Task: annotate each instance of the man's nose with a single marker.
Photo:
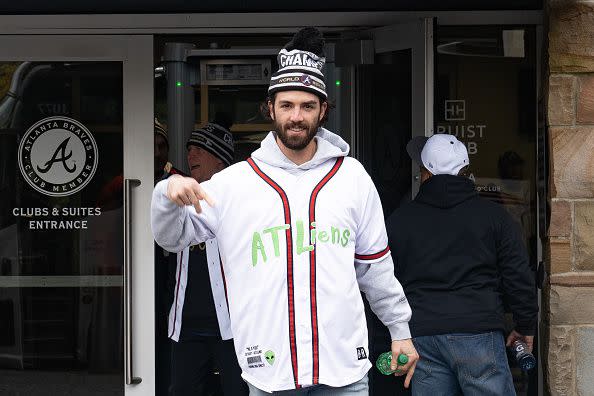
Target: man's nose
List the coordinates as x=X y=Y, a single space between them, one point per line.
x=296 y=114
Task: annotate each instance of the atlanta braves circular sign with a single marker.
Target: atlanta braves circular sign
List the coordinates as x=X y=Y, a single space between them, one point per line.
x=58 y=156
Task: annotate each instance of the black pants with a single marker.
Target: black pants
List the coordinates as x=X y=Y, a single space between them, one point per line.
x=193 y=363
x=379 y=341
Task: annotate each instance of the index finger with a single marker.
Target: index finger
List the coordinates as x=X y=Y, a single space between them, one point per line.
x=409 y=375
x=198 y=207
x=202 y=194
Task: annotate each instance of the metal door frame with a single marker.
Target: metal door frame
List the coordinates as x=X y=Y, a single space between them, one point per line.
x=415 y=35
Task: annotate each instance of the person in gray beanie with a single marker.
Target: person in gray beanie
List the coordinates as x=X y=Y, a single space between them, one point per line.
x=198 y=322
x=210 y=149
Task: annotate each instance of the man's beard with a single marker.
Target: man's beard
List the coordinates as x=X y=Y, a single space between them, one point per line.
x=294 y=142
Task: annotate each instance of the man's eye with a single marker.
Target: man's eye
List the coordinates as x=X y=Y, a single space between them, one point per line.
x=285 y=106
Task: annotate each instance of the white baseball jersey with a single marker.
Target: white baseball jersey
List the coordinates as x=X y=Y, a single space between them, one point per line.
x=217 y=284
x=290 y=245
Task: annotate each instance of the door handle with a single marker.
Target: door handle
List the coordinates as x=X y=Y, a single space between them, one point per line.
x=130 y=379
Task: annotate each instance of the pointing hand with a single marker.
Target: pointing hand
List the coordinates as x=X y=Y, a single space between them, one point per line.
x=187 y=191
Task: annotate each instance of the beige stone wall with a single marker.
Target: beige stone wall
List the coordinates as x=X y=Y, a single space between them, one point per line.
x=568 y=311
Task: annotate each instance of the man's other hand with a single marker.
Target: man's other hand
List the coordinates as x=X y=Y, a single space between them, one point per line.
x=407 y=348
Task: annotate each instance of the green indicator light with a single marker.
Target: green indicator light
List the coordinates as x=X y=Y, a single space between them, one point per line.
x=338 y=83
x=178 y=84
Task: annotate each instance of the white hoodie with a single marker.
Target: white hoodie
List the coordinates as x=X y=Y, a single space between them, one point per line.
x=298 y=243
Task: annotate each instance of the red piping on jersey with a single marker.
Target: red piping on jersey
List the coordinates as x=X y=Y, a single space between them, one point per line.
x=181 y=257
x=373 y=256
x=312 y=273
x=224 y=281
x=290 y=287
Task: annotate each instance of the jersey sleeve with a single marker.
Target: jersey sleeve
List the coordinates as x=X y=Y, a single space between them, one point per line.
x=385 y=295
x=371 y=244
x=174 y=227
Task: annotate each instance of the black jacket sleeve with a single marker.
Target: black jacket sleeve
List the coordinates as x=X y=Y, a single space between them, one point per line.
x=517 y=279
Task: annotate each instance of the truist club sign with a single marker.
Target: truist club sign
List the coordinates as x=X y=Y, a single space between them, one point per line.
x=455 y=117
x=58 y=156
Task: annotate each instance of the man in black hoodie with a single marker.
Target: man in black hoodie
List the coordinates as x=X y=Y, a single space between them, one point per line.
x=458 y=258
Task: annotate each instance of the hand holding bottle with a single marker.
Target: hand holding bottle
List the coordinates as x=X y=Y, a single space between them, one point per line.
x=521 y=347
x=406 y=348
x=526 y=360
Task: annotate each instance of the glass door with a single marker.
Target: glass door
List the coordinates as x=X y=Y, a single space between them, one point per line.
x=394 y=102
x=72 y=214
x=486 y=95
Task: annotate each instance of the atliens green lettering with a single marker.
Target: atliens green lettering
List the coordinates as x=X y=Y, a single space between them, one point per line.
x=323 y=236
x=273 y=231
x=334 y=236
x=257 y=246
x=345 y=237
x=300 y=237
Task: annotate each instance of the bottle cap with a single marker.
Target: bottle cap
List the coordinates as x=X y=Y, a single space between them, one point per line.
x=528 y=362
x=402 y=359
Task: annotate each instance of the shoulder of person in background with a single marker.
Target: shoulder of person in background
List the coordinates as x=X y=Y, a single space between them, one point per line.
x=169 y=170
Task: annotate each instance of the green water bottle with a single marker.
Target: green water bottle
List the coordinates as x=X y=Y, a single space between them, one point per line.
x=384 y=360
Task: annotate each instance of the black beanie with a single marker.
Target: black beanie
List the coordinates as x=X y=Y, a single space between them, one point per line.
x=300 y=65
x=216 y=140
x=160 y=129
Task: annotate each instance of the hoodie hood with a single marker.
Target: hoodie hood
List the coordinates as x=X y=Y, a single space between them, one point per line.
x=446 y=191
x=329 y=145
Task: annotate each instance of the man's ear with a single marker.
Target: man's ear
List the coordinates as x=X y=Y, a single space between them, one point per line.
x=323 y=108
x=271 y=109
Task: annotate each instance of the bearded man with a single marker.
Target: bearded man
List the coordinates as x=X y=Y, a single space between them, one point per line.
x=301 y=233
